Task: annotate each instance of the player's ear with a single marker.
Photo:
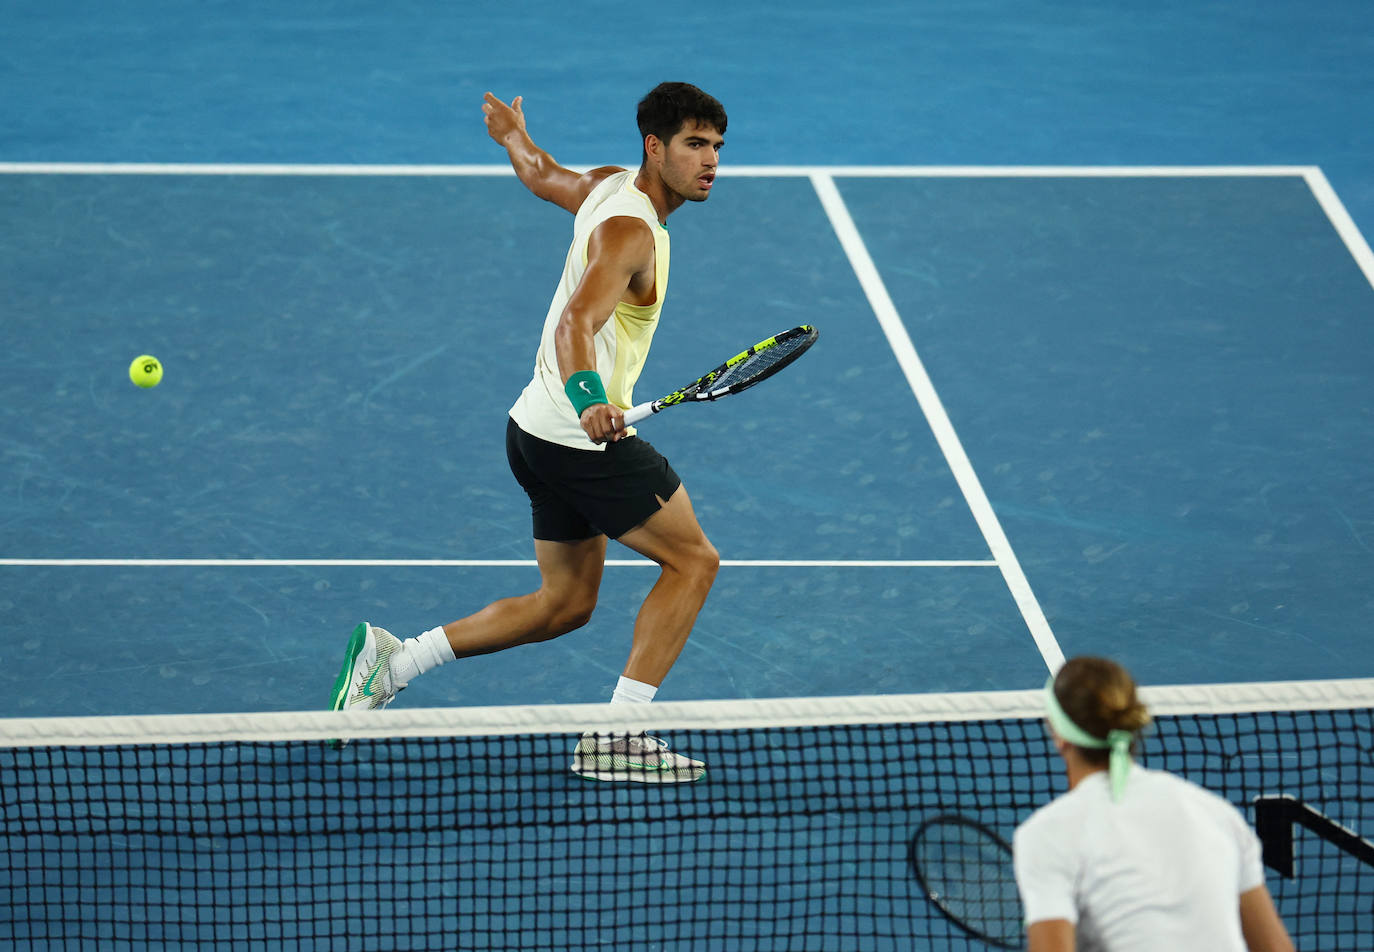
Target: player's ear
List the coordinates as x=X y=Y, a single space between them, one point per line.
x=653 y=148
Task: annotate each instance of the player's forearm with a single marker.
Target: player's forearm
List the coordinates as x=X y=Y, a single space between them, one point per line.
x=572 y=342
x=601 y=420
x=534 y=167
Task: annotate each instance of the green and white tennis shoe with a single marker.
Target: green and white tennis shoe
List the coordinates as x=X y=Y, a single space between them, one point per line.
x=365 y=682
x=637 y=758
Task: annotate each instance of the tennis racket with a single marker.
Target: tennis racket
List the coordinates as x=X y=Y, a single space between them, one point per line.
x=965 y=870
x=737 y=374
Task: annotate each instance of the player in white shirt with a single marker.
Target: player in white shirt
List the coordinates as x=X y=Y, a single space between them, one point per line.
x=1130 y=859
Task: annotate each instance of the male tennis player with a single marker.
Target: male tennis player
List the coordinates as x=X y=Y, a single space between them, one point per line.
x=1134 y=859
x=588 y=476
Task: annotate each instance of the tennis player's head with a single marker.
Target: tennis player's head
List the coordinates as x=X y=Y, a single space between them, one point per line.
x=682 y=129
x=1098 y=696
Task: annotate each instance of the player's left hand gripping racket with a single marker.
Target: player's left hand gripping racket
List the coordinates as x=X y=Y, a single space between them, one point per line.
x=966 y=870
x=737 y=374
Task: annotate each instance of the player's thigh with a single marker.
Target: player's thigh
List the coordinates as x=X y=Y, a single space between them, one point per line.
x=570 y=572
x=673 y=536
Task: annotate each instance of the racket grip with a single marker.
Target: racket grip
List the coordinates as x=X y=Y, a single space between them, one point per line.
x=639 y=412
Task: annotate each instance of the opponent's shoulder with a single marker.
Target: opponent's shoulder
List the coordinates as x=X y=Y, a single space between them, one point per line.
x=1185 y=791
x=1063 y=810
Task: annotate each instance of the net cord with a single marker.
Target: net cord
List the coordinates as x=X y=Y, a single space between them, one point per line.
x=685 y=715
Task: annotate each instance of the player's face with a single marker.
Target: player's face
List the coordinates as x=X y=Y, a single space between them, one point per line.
x=690 y=160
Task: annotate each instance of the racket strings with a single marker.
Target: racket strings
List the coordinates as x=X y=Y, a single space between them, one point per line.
x=969 y=875
x=758 y=364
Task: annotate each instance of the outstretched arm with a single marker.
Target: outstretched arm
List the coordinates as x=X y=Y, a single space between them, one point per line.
x=536 y=168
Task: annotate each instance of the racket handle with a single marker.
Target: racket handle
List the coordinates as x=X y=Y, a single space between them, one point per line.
x=640 y=412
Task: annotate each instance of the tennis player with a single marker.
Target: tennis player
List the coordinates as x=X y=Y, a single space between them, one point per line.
x=1134 y=859
x=588 y=476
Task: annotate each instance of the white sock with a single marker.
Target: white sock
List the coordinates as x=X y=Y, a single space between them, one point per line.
x=632 y=692
x=419 y=654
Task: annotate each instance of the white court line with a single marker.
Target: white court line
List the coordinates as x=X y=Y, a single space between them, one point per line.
x=1344 y=224
x=1316 y=179
x=755 y=171
x=948 y=440
x=487 y=563
x=233 y=168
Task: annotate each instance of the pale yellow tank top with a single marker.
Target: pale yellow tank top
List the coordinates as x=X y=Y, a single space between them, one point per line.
x=622 y=344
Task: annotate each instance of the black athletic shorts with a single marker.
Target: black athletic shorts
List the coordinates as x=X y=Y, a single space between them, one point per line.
x=576 y=494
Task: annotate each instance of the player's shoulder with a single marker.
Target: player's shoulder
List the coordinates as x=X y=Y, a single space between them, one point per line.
x=1072 y=811
x=1062 y=813
x=1187 y=790
x=1163 y=780
x=593 y=180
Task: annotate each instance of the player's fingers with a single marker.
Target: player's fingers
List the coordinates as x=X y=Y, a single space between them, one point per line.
x=592 y=425
x=617 y=422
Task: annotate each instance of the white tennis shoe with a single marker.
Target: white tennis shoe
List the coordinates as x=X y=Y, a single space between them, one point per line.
x=365 y=681
x=638 y=758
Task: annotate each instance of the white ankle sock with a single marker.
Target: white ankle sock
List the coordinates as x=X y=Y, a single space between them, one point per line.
x=420 y=654
x=633 y=692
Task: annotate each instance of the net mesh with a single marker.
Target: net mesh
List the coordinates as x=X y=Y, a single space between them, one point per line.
x=154 y=832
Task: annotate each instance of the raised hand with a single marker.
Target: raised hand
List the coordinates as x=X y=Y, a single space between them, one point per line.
x=502 y=119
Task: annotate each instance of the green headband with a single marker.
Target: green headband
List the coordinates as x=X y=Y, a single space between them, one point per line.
x=1118 y=741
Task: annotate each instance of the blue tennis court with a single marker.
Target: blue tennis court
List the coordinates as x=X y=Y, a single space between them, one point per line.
x=1146 y=441
x=1097 y=320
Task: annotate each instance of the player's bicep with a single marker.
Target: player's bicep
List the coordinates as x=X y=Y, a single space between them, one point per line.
x=617 y=250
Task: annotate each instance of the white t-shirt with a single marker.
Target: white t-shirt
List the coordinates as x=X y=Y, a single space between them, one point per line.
x=1162 y=869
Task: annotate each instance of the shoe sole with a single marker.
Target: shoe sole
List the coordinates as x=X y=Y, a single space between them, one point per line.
x=356 y=642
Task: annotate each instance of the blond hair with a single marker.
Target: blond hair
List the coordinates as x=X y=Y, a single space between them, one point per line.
x=1099 y=696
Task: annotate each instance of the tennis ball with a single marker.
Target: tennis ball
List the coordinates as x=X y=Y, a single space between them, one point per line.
x=146 y=371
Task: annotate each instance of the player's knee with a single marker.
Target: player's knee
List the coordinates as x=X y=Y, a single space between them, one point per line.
x=570 y=616
x=712 y=560
x=704 y=562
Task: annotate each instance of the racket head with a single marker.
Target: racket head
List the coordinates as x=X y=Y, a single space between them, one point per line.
x=965 y=869
x=754 y=365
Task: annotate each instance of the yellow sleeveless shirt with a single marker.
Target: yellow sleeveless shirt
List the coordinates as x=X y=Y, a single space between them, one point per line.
x=622 y=344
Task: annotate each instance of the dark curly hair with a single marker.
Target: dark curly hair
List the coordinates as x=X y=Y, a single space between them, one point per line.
x=669 y=106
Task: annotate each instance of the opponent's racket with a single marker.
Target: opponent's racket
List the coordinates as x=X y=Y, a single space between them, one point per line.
x=740 y=372
x=966 y=870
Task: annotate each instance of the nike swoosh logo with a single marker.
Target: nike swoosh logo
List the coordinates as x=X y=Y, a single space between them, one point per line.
x=637 y=765
x=367 y=685
x=585 y=389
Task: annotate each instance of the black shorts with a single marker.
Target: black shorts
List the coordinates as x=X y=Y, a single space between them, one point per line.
x=576 y=494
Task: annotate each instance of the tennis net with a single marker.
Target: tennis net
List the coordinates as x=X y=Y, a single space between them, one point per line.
x=462 y=828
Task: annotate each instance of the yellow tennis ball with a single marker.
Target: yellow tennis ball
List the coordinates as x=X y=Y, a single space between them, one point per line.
x=146 y=371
